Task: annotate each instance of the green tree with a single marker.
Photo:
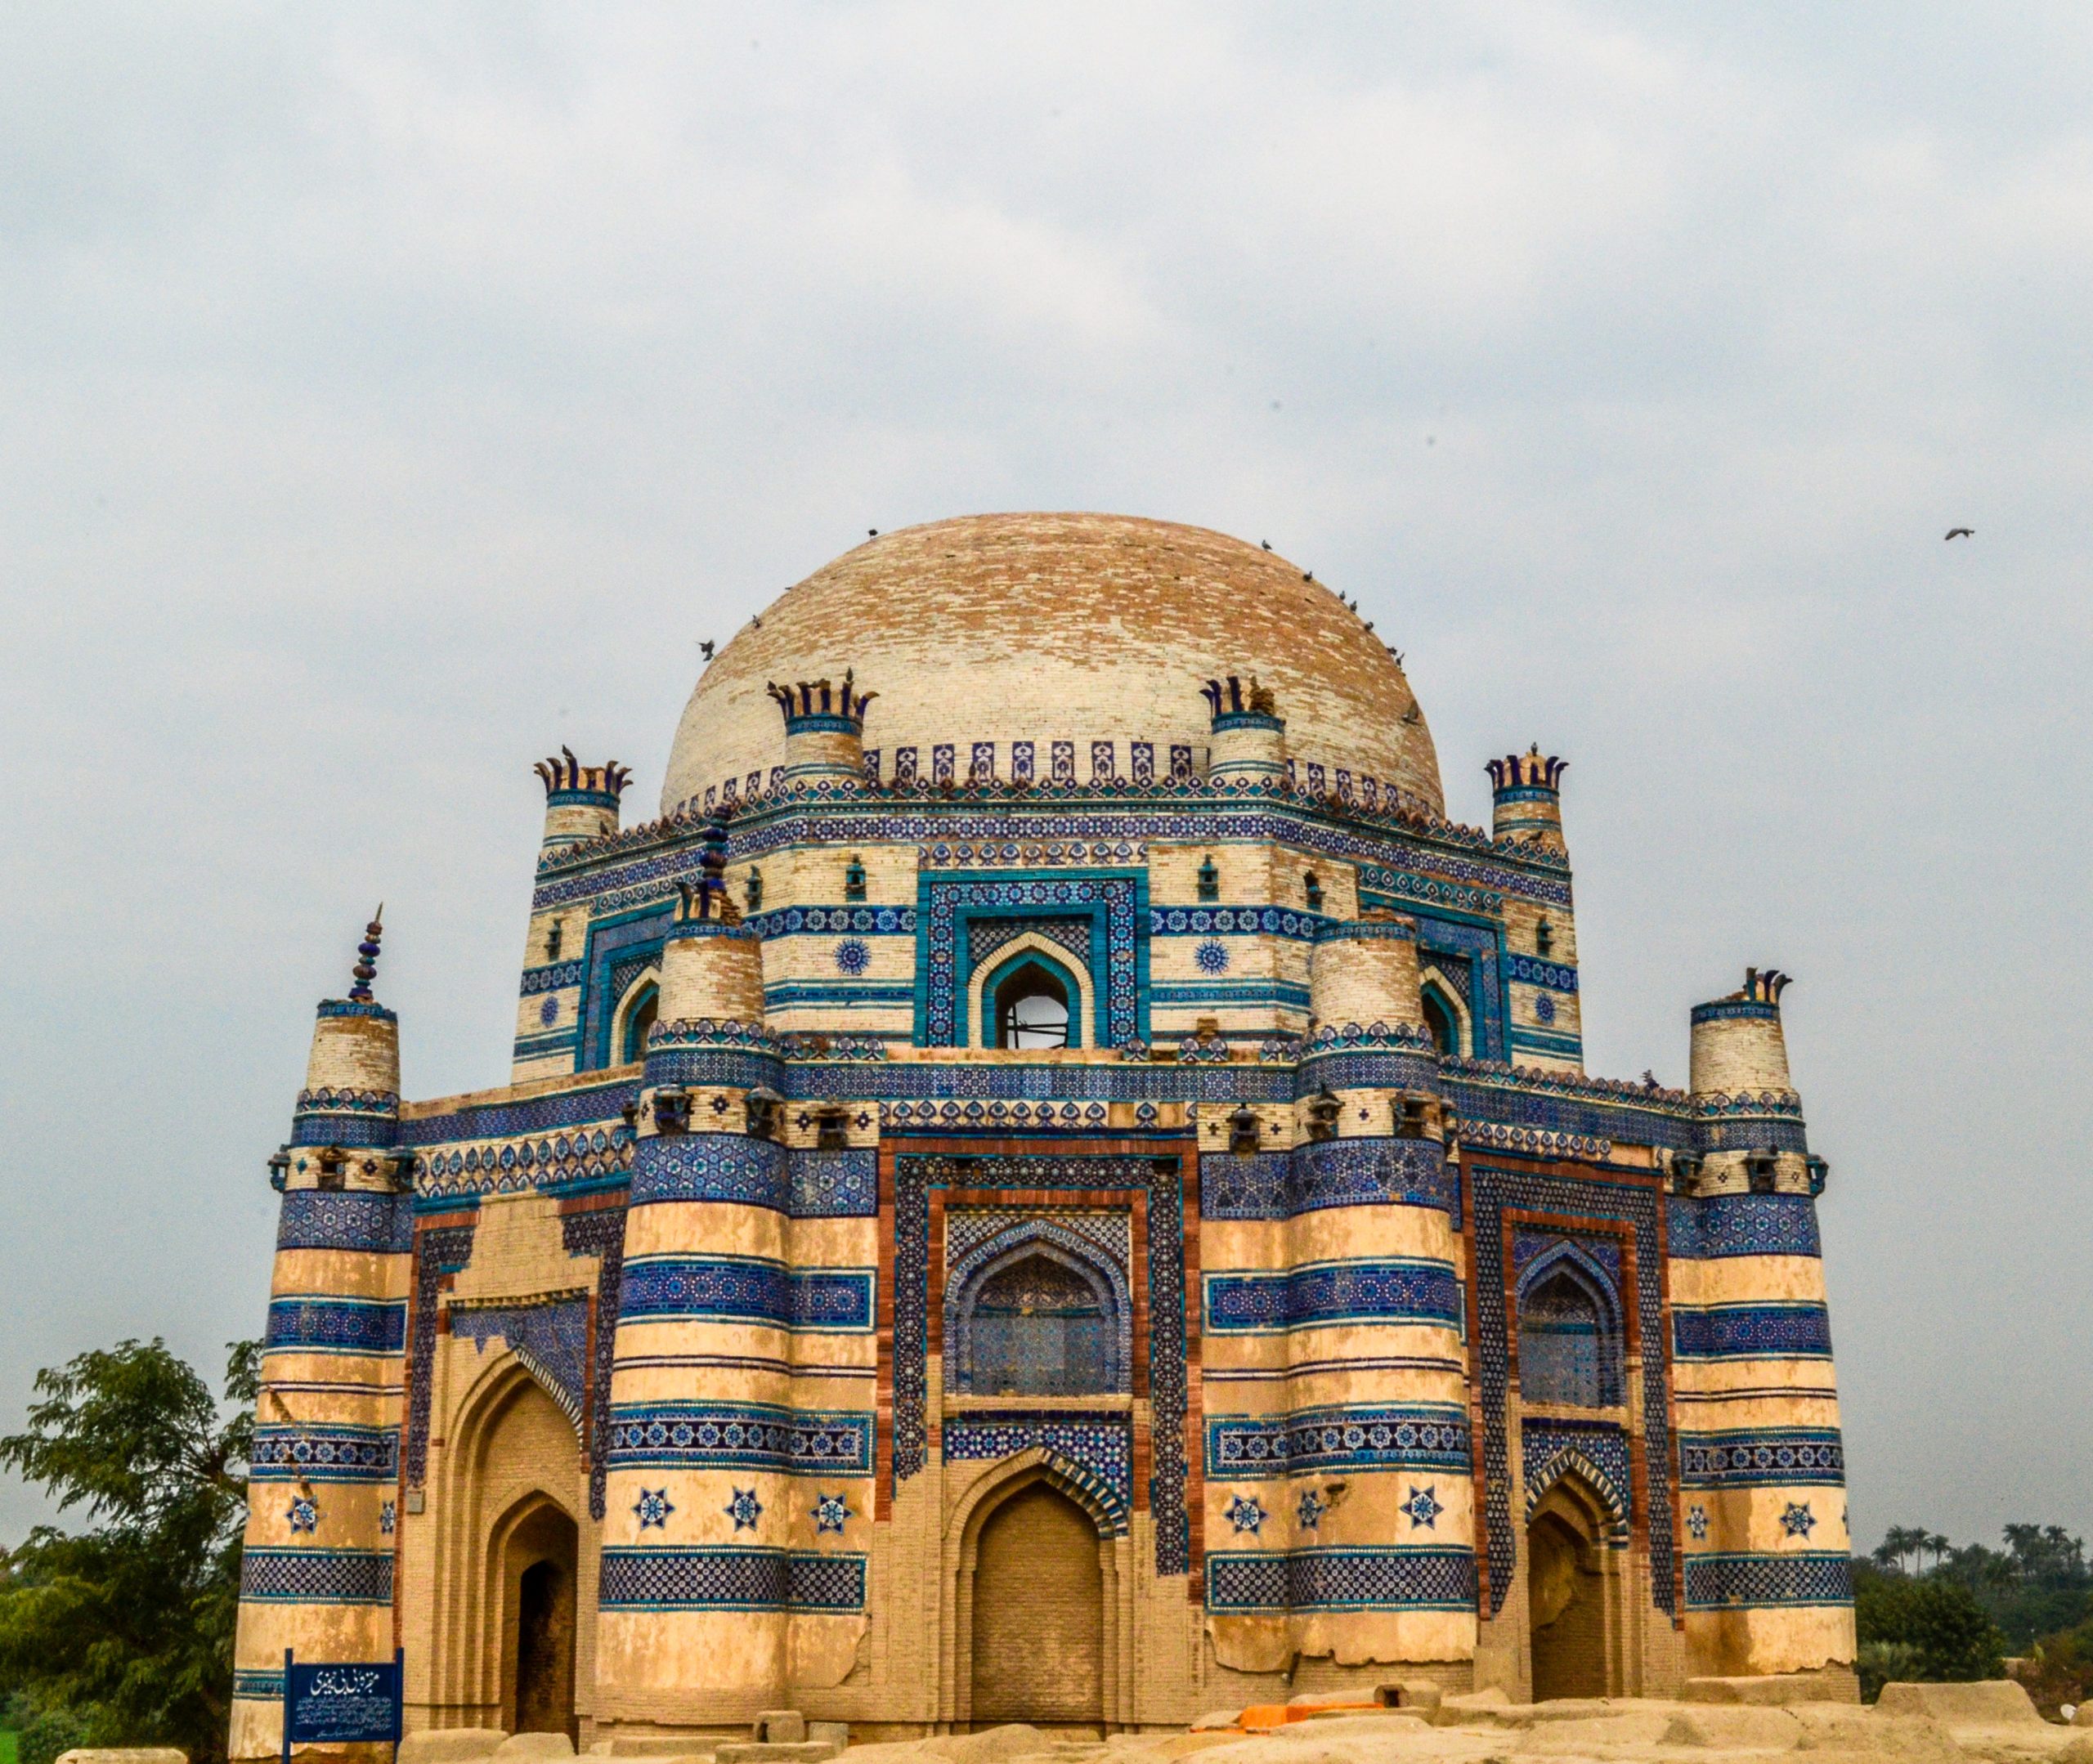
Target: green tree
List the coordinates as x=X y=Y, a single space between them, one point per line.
x=121 y=1633
x=1936 y=1627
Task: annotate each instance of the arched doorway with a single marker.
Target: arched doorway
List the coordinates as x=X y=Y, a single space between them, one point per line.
x=538 y=1576
x=1037 y=1614
x=1567 y=1584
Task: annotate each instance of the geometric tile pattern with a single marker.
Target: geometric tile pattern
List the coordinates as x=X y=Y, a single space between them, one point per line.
x=331 y=1452
x=1754 y=1580
x=1595 y=1451
x=315 y=1325
x=747 y=1289
x=1353 y=1172
x=1762 y=1458
x=277 y=1575
x=729 y=1577
x=438 y=1251
x=1101 y=1445
x=1370 y=1578
x=740 y=1436
x=1753 y=1332
x=1358 y=1436
x=1159 y=1178
x=1743 y=1224
x=835 y=1184
x=709 y=1166
x=599 y=1232
x=550 y=1338
x=312 y=1219
x=1629 y=1203
x=1034 y=1303
x=1113 y=903
x=1317 y=1294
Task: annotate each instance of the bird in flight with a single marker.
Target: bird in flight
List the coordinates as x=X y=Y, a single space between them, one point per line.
x=705 y=650
x=1962 y=532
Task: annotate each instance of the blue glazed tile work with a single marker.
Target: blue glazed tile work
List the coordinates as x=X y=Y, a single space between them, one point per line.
x=320 y=1324
x=1160 y=1176
x=1635 y=1205
x=740 y=1436
x=834 y=1184
x=711 y=1167
x=271 y=1574
x=439 y=1250
x=747 y=1289
x=333 y=1453
x=1318 y=1294
x=730 y=1578
x=1595 y=1451
x=1742 y=1225
x=1762 y=1458
x=345 y=1219
x=599 y=1232
x=550 y=1337
x=1352 y=1436
x=1115 y=903
x=1358 y=1579
x=1747 y=1581
x=1752 y=1332
x=1099 y=1446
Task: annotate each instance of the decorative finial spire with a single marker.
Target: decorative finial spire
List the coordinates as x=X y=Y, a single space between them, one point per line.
x=366 y=968
x=822 y=704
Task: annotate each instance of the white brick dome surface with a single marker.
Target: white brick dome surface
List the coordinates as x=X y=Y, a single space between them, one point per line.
x=1045 y=628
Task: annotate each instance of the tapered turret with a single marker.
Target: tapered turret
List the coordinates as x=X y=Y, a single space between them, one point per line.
x=317 y=1572
x=1248 y=734
x=824 y=731
x=581 y=802
x=1767 y=1582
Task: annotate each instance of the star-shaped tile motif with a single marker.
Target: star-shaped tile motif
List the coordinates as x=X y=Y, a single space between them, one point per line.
x=1311 y=1511
x=653 y=1508
x=1423 y=1506
x=830 y=1512
x=1797 y=1521
x=744 y=1510
x=388 y=1518
x=304 y=1514
x=1245 y=1513
x=1696 y=1522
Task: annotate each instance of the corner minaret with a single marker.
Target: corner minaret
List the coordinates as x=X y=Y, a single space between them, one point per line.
x=824 y=730
x=1762 y=1484
x=1250 y=735
x=1527 y=798
x=1547 y=1027
x=696 y=1585
x=581 y=802
x=318 y=1569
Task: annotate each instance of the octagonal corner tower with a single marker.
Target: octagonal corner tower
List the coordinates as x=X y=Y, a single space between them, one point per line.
x=1079 y=629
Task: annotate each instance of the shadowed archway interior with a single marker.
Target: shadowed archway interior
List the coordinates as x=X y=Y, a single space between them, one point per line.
x=1038 y=1614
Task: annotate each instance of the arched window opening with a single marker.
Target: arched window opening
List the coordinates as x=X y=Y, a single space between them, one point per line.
x=638 y=1020
x=1209 y=881
x=1038 y=1328
x=1032 y=1009
x=1568 y=1353
x=1311 y=886
x=853 y=881
x=756 y=889
x=1440 y=1025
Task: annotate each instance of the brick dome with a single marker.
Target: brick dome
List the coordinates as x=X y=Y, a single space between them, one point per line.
x=1044 y=628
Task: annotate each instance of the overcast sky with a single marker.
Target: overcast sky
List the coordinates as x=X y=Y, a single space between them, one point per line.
x=385 y=401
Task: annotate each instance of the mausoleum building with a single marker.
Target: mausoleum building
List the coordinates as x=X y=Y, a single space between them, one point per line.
x=1051 y=1183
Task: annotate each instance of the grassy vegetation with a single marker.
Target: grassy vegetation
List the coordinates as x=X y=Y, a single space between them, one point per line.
x=6 y=1746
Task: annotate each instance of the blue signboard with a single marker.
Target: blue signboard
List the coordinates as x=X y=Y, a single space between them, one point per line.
x=342 y=1702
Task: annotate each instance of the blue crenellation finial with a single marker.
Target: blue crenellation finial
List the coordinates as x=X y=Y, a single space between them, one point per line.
x=366 y=968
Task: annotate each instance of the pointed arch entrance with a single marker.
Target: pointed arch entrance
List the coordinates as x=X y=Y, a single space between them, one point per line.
x=1037 y=1634
x=1575 y=1605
